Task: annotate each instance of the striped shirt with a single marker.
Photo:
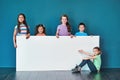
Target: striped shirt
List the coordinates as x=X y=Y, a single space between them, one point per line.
x=23 y=30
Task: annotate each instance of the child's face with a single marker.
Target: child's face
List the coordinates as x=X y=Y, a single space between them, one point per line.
x=81 y=28
x=96 y=51
x=21 y=18
x=40 y=30
x=64 y=20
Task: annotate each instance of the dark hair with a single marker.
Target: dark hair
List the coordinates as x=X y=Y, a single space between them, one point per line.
x=24 y=22
x=67 y=24
x=97 y=49
x=82 y=24
x=40 y=25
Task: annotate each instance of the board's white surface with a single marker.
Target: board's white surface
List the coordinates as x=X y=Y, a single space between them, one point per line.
x=50 y=53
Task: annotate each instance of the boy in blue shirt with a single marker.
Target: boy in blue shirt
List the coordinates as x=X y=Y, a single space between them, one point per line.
x=81 y=30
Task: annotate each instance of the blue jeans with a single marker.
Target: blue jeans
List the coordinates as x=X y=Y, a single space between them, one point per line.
x=90 y=65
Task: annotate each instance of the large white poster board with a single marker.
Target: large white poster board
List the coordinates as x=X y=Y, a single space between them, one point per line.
x=51 y=53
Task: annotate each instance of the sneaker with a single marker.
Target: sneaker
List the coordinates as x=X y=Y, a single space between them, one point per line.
x=76 y=69
x=79 y=68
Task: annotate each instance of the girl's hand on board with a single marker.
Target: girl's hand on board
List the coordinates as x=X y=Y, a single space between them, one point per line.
x=15 y=45
x=27 y=36
x=72 y=36
x=81 y=51
x=85 y=58
x=57 y=36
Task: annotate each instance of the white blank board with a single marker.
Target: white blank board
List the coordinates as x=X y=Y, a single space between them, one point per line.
x=43 y=53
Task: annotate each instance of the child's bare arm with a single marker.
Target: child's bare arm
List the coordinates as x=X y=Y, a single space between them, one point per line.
x=14 y=38
x=84 y=52
x=92 y=57
x=57 y=33
x=27 y=35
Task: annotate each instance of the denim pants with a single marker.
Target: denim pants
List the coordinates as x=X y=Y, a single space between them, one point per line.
x=90 y=65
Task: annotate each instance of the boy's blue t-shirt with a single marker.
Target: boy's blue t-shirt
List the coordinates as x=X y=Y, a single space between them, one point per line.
x=81 y=34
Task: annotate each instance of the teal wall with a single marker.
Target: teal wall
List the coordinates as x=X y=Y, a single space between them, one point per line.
x=102 y=17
